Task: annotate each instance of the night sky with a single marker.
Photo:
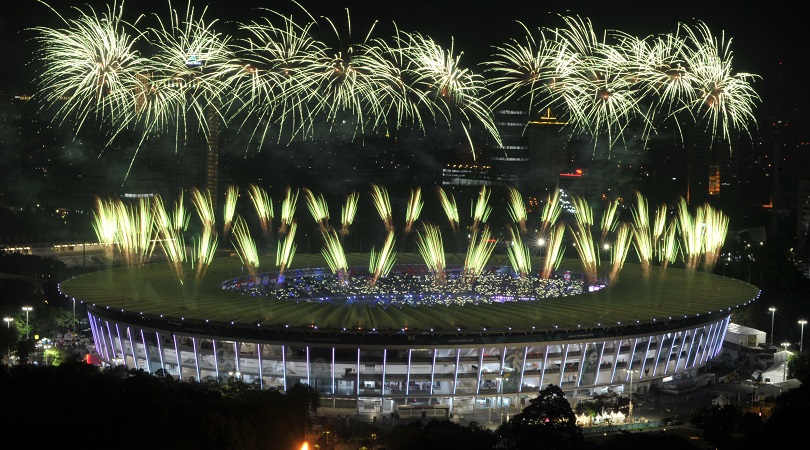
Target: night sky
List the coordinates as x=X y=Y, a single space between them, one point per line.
x=767 y=37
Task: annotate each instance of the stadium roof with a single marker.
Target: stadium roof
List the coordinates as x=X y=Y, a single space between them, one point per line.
x=665 y=295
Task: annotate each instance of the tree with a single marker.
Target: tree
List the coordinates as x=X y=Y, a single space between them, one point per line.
x=548 y=422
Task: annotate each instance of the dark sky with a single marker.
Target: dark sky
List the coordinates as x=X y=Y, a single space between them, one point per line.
x=766 y=36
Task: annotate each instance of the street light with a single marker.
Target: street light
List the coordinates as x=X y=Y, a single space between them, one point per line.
x=27 y=309
x=630 y=408
x=801 y=339
x=8 y=321
x=74 y=318
x=784 y=365
x=773 y=314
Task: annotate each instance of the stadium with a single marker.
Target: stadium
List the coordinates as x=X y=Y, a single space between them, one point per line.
x=401 y=354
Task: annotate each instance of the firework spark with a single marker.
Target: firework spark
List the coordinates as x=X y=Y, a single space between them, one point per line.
x=620 y=249
x=480 y=208
x=556 y=250
x=335 y=256
x=519 y=254
x=478 y=253
x=318 y=208
x=245 y=245
x=380 y=197
x=450 y=209
x=380 y=263
x=431 y=248
x=414 y=209
x=517 y=209
x=263 y=206
x=171 y=239
x=288 y=209
x=286 y=249
x=348 y=212
x=229 y=209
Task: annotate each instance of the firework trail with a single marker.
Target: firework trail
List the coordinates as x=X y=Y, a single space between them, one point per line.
x=318 y=209
x=480 y=208
x=641 y=233
x=229 y=209
x=205 y=210
x=380 y=263
x=556 y=250
x=348 y=212
x=203 y=250
x=448 y=203
x=171 y=239
x=517 y=209
x=380 y=197
x=660 y=223
x=431 y=248
x=691 y=238
x=610 y=219
x=414 y=209
x=669 y=247
x=137 y=233
x=288 y=209
x=551 y=212
x=335 y=256
x=715 y=230
x=286 y=249
x=620 y=249
x=478 y=253
x=245 y=245
x=583 y=239
x=263 y=206
x=180 y=217
x=105 y=224
x=519 y=254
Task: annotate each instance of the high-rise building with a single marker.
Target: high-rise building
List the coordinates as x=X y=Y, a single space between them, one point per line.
x=548 y=151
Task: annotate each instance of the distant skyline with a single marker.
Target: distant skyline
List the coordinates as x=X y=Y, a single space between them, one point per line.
x=763 y=40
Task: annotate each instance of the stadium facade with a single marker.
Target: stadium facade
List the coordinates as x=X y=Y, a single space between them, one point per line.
x=457 y=366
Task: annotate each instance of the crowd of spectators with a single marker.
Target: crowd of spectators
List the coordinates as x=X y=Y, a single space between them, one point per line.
x=411 y=286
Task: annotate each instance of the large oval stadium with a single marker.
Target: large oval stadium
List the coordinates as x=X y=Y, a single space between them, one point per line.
x=394 y=349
